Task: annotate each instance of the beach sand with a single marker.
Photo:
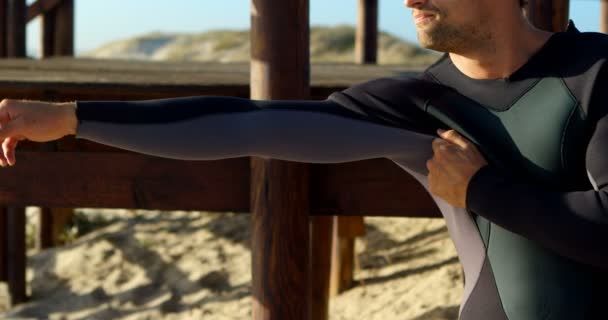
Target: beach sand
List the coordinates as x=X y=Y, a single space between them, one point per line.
x=196 y=265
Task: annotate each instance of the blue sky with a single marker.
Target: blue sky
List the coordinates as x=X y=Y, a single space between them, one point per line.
x=101 y=21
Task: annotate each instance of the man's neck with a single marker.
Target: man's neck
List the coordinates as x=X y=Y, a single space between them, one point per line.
x=507 y=51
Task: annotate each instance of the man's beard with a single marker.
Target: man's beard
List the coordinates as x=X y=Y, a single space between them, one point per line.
x=454 y=39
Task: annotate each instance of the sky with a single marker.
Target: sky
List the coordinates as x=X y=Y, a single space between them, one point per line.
x=102 y=21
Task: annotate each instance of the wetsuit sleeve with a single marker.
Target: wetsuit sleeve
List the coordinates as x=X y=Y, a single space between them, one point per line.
x=573 y=224
x=208 y=128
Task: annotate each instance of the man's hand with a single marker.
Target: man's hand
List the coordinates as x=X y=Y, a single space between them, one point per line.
x=33 y=120
x=455 y=161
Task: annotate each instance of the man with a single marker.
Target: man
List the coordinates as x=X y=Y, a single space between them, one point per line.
x=529 y=228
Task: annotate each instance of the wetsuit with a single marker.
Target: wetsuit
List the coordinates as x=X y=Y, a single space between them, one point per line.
x=532 y=238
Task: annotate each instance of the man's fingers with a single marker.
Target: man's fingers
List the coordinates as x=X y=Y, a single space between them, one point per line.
x=3 y=156
x=456 y=138
x=8 y=150
x=443 y=149
x=439 y=144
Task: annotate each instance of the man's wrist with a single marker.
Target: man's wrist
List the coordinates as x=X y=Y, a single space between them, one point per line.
x=71 y=121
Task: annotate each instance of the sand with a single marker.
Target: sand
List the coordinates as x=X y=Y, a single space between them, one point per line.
x=196 y=265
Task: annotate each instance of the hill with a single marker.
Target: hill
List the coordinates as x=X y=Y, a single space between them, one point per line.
x=327 y=44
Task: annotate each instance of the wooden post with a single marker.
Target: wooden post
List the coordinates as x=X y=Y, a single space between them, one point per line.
x=549 y=15
x=13 y=237
x=280 y=69
x=604 y=16
x=52 y=220
x=52 y=224
x=321 y=248
x=58 y=30
x=15 y=253
x=3 y=23
x=45 y=237
x=3 y=211
x=15 y=28
x=3 y=245
x=346 y=229
x=366 y=40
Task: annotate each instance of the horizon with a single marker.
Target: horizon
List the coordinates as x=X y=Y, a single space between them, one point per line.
x=188 y=16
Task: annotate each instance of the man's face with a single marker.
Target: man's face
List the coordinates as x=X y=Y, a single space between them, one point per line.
x=450 y=25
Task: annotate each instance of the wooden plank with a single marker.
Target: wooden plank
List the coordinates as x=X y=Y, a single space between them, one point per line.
x=369 y=188
x=125 y=180
x=551 y=15
x=39 y=7
x=279 y=190
x=86 y=91
x=321 y=247
x=15 y=30
x=366 y=39
x=117 y=72
x=85 y=79
x=52 y=220
x=16 y=258
x=3 y=24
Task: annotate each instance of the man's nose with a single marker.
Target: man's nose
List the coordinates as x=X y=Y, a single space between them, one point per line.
x=414 y=3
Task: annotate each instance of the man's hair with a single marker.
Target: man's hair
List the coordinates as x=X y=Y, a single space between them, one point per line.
x=523 y=3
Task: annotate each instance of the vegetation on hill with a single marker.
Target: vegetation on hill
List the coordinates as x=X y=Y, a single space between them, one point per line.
x=327 y=44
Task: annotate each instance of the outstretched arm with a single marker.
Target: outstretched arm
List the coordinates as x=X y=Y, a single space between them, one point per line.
x=350 y=125
x=206 y=128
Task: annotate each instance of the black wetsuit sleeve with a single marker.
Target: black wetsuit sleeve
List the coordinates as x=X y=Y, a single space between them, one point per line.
x=208 y=128
x=573 y=224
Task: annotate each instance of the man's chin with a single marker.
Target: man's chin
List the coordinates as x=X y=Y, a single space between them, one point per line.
x=431 y=45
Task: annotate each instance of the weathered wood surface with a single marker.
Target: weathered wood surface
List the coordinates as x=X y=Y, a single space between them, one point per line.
x=3 y=27
x=13 y=232
x=342 y=264
x=321 y=250
x=58 y=29
x=549 y=15
x=65 y=78
x=280 y=203
x=15 y=28
x=39 y=7
x=14 y=243
x=125 y=180
x=366 y=39
x=52 y=224
x=346 y=230
x=370 y=188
